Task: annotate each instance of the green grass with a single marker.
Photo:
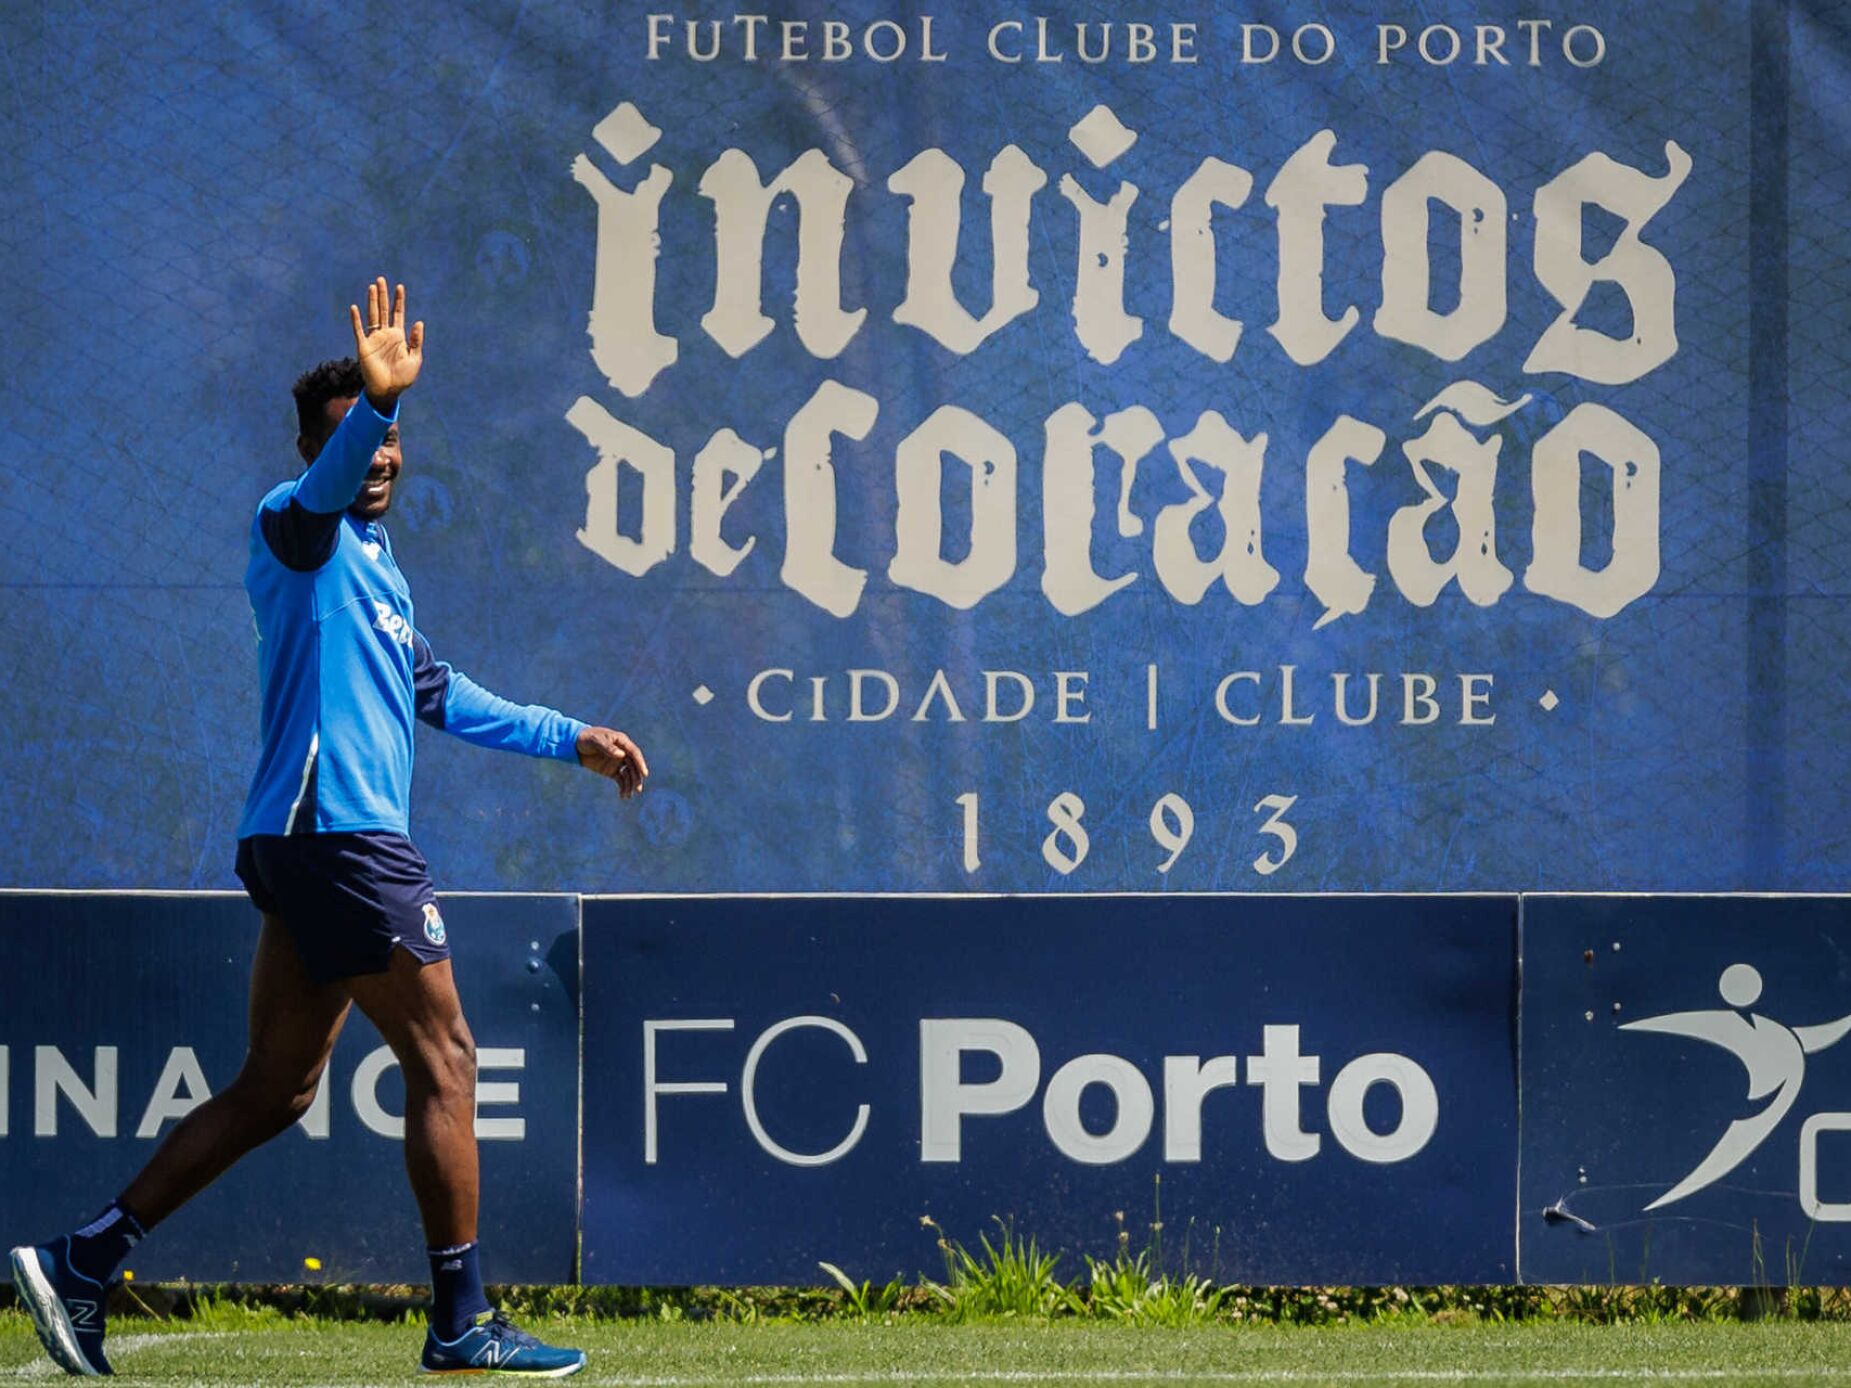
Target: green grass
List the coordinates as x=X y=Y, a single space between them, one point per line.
x=235 y=1346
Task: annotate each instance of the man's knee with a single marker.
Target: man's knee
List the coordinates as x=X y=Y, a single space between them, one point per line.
x=445 y=1065
x=271 y=1098
x=462 y=1047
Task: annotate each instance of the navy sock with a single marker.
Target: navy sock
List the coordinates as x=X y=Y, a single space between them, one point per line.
x=99 y=1247
x=457 y=1297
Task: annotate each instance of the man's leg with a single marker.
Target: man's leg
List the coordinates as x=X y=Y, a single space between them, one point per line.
x=415 y=1006
x=417 y=1011
x=293 y=1025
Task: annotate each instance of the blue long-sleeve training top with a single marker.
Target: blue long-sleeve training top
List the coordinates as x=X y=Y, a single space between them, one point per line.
x=342 y=668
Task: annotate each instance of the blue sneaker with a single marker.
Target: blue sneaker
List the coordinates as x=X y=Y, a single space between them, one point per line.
x=66 y=1307
x=496 y=1346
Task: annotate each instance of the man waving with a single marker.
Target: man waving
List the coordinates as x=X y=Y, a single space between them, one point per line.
x=349 y=912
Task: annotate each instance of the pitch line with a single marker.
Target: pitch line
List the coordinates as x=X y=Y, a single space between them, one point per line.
x=42 y=1367
x=1383 y=1375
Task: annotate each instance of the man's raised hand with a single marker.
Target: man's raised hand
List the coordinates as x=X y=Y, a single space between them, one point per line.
x=389 y=360
x=611 y=753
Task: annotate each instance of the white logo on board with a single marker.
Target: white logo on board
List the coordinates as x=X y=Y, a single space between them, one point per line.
x=949 y=1103
x=1774 y=1055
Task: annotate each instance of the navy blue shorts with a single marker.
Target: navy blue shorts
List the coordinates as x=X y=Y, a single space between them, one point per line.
x=349 y=900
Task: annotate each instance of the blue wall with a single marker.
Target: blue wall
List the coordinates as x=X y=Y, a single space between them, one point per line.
x=195 y=192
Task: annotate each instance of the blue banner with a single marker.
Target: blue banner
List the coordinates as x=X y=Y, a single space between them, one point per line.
x=1294 y=1089
x=1284 y=448
x=1686 y=1096
x=129 y=1010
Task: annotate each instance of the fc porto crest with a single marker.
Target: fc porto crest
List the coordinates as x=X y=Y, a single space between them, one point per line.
x=433 y=924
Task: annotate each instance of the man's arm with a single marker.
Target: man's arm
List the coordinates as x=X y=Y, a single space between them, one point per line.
x=304 y=531
x=334 y=478
x=450 y=700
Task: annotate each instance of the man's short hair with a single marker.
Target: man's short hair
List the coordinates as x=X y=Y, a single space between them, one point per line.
x=314 y=388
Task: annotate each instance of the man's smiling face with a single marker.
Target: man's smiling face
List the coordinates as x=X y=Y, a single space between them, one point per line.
x=375 y=497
